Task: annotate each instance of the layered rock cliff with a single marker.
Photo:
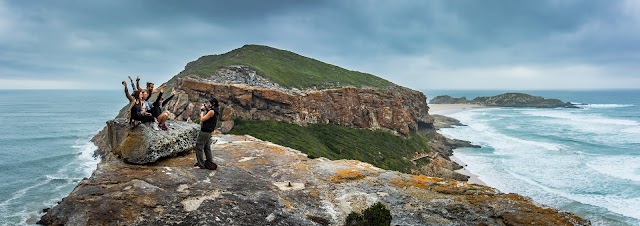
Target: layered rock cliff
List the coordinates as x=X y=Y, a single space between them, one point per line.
x=260 y=183
x=398 y=109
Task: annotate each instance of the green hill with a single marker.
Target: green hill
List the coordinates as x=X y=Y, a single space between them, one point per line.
x=285 y=68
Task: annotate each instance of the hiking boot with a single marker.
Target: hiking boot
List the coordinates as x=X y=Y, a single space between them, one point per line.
x=210 y=165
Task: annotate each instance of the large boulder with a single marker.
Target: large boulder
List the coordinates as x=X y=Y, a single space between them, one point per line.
x=143 y=144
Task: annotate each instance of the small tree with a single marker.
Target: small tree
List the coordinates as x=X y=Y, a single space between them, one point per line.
x=376 y=215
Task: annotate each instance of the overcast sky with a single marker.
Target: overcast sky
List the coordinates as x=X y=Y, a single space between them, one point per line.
x=464 y=44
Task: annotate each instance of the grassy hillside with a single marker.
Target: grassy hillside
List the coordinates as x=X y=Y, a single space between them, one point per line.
x=380 y=148
x=285 y=68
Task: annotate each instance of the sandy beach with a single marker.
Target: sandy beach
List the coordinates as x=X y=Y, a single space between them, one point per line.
x=443 y=109
x=473 y=179
x=452 y=108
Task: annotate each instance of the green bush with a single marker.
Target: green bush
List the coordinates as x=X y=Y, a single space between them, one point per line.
x=376 y=215
x=380 y=148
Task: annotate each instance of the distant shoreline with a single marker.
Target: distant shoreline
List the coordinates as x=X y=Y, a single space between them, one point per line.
x=452 y=108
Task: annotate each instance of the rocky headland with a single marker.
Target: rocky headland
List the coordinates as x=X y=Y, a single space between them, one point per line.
x=146 y=176
x=261 y=183
x=506 y=100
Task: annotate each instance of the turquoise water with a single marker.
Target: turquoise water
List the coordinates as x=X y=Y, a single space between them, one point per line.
x=45 y=148
x=586 y=161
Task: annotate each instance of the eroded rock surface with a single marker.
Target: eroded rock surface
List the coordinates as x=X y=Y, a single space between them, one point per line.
x=251 y=187
x=399 y=109
x=143 y=144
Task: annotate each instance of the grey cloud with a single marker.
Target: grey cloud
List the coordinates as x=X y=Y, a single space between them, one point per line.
x=103 y=41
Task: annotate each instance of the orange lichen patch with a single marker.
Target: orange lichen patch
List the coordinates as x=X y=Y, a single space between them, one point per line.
x=313 y=192
x=477 y=199
x=286 y=203
x=301 y=166
x=452 y=188
x=424 y=194
x=179 y=161
x=420 y=181
x=236 y=154
x=254 y=163
x=276 y=150
x=343 y=175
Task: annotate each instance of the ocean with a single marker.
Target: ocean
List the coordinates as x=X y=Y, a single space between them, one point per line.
x=585 y=161
x=45 y=146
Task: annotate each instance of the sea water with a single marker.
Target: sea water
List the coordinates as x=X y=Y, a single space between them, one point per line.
x=585 y=161
x=45 y=146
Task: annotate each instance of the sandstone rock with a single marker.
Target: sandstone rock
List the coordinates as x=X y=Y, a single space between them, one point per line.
x=226 y=126
x=250 y=187
x=143 y=145
x=399 y=109
x=441 y=121
x=227 y=113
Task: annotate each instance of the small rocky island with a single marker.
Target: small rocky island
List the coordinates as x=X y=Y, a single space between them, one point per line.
x=506 y=100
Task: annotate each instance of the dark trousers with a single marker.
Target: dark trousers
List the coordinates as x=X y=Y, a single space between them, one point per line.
x=203 y=143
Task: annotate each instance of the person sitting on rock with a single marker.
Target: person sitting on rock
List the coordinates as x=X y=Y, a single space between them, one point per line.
x=129 y=97
x=156 y=109
x=137 y=110
x=208 y=121
x=150 y=88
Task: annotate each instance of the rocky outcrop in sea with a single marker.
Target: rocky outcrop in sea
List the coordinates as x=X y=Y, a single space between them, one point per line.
x=506 y=100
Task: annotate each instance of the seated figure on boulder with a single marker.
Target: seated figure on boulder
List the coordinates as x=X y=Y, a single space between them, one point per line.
x=138 y=110
x=156 y=109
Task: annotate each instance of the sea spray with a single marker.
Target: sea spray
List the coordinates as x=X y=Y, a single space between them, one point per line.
x=584 y=161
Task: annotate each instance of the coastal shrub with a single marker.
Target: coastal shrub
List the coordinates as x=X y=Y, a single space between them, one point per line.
x=380 y=148
x=376 y=215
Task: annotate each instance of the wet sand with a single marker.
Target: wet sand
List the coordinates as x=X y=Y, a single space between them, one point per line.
x=443 y=109
x=473 y=179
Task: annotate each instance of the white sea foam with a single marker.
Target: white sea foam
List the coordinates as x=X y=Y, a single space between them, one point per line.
x=66 y=177
x=582 y=118
x=626 y=206
x=479 y=131
x=623 y=167
x=89 y=162
x=550 y=177
x=606 y=105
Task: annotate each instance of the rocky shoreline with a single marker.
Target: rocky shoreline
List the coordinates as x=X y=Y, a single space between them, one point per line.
x=260 y=183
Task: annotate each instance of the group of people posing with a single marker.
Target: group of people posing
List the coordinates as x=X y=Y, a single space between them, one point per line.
x=144 y=111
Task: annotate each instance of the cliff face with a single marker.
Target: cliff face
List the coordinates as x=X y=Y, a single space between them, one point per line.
x=398 y=109
x=259 y=183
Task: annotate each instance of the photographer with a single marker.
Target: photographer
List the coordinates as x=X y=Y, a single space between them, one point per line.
x=208 y=120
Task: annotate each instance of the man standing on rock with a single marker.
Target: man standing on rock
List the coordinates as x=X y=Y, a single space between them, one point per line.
x=208 y=121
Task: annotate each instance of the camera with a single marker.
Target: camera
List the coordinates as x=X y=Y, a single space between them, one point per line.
x=204 y=108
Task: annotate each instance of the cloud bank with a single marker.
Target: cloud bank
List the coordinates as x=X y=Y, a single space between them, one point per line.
x=419 y=44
